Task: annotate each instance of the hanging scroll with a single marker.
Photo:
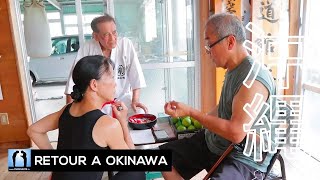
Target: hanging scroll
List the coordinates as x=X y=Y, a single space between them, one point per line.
x=270 y=30
x=233 y=7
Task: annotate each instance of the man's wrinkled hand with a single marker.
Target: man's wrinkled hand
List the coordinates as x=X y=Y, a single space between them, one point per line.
x=136 y=104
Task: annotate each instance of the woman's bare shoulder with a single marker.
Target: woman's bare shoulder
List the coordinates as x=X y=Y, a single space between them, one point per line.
x=107 y=132
x=108 y=122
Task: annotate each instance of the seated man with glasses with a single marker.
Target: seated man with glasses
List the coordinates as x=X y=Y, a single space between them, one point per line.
x=224 y=35
x=128 y=73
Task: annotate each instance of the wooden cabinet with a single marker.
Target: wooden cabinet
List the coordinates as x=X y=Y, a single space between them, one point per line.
x=14 y=134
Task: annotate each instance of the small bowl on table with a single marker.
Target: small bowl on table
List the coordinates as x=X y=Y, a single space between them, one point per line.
x=142 y=121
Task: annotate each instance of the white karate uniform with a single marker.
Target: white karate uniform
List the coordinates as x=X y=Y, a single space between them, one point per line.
x=127 y=72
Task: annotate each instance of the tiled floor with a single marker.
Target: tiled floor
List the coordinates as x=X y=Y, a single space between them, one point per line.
x=301 y=166
x=49 y=98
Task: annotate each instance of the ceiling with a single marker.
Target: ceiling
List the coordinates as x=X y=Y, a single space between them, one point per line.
x=59 y=3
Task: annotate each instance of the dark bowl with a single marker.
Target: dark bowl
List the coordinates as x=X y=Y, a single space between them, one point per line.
x=135 y=124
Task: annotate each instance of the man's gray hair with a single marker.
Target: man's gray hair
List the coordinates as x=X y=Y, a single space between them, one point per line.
x=226 y=24
x=101 y=19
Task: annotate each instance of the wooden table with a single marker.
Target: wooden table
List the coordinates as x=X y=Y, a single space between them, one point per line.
x=162 y=124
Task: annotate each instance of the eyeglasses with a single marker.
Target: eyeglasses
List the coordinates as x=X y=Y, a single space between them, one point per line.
x=208 y=47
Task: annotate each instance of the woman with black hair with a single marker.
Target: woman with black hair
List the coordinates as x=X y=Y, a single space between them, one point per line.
x=81 y=124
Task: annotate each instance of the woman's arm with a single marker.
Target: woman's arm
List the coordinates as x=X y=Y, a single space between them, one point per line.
x=121 y=116
x=126 y=134
x=38 y=131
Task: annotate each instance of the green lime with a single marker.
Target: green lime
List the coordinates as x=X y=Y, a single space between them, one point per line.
x=178 y=124
x=197 y=125
x=191 y=127
x=181 y=128
x=175 y=120
x=186 y=121
x=192 y=120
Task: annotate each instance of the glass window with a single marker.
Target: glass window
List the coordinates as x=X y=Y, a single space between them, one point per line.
x=182 y=84
x=87 y=18
x=162 y=34
x=88 y=37
x=53 y=15
x=70 y=19
x=55 y=29
x=162 y=31
x=155 y=80
x=311 y=66
x=71 y=30
x=74 y=44
x=180 y=31
x=71 y=27
x=311 y=78
x=311 y=124
x=59 y=46
x=87 y=30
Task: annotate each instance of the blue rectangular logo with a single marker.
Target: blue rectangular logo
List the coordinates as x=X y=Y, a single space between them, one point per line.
x=19 y=159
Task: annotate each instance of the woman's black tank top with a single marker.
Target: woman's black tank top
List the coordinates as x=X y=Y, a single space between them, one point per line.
x=76 y=133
